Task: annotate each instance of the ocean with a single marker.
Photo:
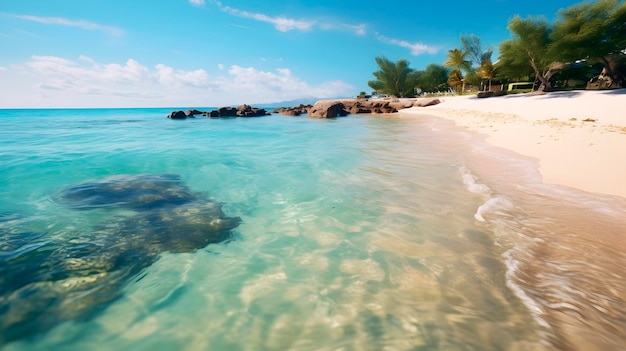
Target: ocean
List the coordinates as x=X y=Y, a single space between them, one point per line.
x=357 y=233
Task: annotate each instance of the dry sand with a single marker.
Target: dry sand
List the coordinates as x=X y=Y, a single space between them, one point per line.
x=578 y=137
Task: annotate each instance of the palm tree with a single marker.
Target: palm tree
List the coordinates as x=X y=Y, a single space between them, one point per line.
x=487 y=69
x=455 y=79
x=457 y=59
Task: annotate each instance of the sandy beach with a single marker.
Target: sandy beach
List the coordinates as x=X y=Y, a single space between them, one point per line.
x=565 y=255
x=577 y=137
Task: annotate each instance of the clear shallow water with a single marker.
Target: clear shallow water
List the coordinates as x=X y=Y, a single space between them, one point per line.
x=357 y=233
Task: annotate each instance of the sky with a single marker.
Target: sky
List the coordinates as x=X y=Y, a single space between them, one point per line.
x=198 y=53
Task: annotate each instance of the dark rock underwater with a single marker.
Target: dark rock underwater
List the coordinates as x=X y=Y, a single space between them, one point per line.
x=46 y=281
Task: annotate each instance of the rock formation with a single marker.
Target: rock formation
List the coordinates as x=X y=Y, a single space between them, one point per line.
x=294 y=111
x=336 y=108
x=321 y=109
x=177 y=115
x=239 y=111
x=328 y=109
x=46 y=280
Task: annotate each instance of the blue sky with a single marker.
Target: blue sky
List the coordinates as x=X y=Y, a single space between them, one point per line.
x=193 y=53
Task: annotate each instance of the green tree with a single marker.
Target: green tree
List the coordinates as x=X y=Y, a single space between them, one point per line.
x=479 y=58
x=513 y=63
x=529 y=47
x=434 y=78
x=590 y=31
x=457 y=59
x=595 y=32
x=396 y=79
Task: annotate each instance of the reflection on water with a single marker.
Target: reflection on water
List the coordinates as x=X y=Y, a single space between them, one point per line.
x=357 y=234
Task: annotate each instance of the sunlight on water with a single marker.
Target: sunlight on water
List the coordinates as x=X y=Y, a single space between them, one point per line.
x=358 y=233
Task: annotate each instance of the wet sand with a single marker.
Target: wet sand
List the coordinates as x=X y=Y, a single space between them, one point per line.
x=555 y=201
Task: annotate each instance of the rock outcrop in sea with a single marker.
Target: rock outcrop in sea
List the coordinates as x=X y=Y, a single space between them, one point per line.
x=338 y=108
x=301 y=109
x=321 y=109
x=239 y=111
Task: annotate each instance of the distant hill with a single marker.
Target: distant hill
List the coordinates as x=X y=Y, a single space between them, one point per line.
x=289 y=103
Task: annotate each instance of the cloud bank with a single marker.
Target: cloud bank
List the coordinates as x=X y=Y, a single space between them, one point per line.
x=50 y=81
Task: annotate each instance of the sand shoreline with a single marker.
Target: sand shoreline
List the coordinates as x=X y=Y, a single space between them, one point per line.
x=561 y=247
x=577 y=137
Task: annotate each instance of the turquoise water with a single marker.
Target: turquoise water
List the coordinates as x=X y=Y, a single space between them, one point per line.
x=357 y=233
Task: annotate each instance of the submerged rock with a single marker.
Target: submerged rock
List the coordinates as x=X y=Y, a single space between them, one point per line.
x=140 y=192
x=45 y=280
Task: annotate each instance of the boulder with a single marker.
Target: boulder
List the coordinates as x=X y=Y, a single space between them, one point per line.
x=327 y=109
x=227 y=111
x=426 y=102
x=288 y=111
x=254 y=112
x=191 y=113
x=294 y=111
x=177 y=115
x=243 y=109
x=604 y=80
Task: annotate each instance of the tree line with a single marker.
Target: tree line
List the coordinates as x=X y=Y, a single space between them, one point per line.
x=586 y=41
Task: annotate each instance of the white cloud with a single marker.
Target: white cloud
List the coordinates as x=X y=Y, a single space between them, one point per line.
x=83 y=24
x=285 y=24
x=58 y=69
x=169 y=76
x=360 y=29
x=281 y=85
x=50 y=81
x=220 y=66
x=356 y=29
x=196 y=2
x=416 y=48
x=281 y=23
